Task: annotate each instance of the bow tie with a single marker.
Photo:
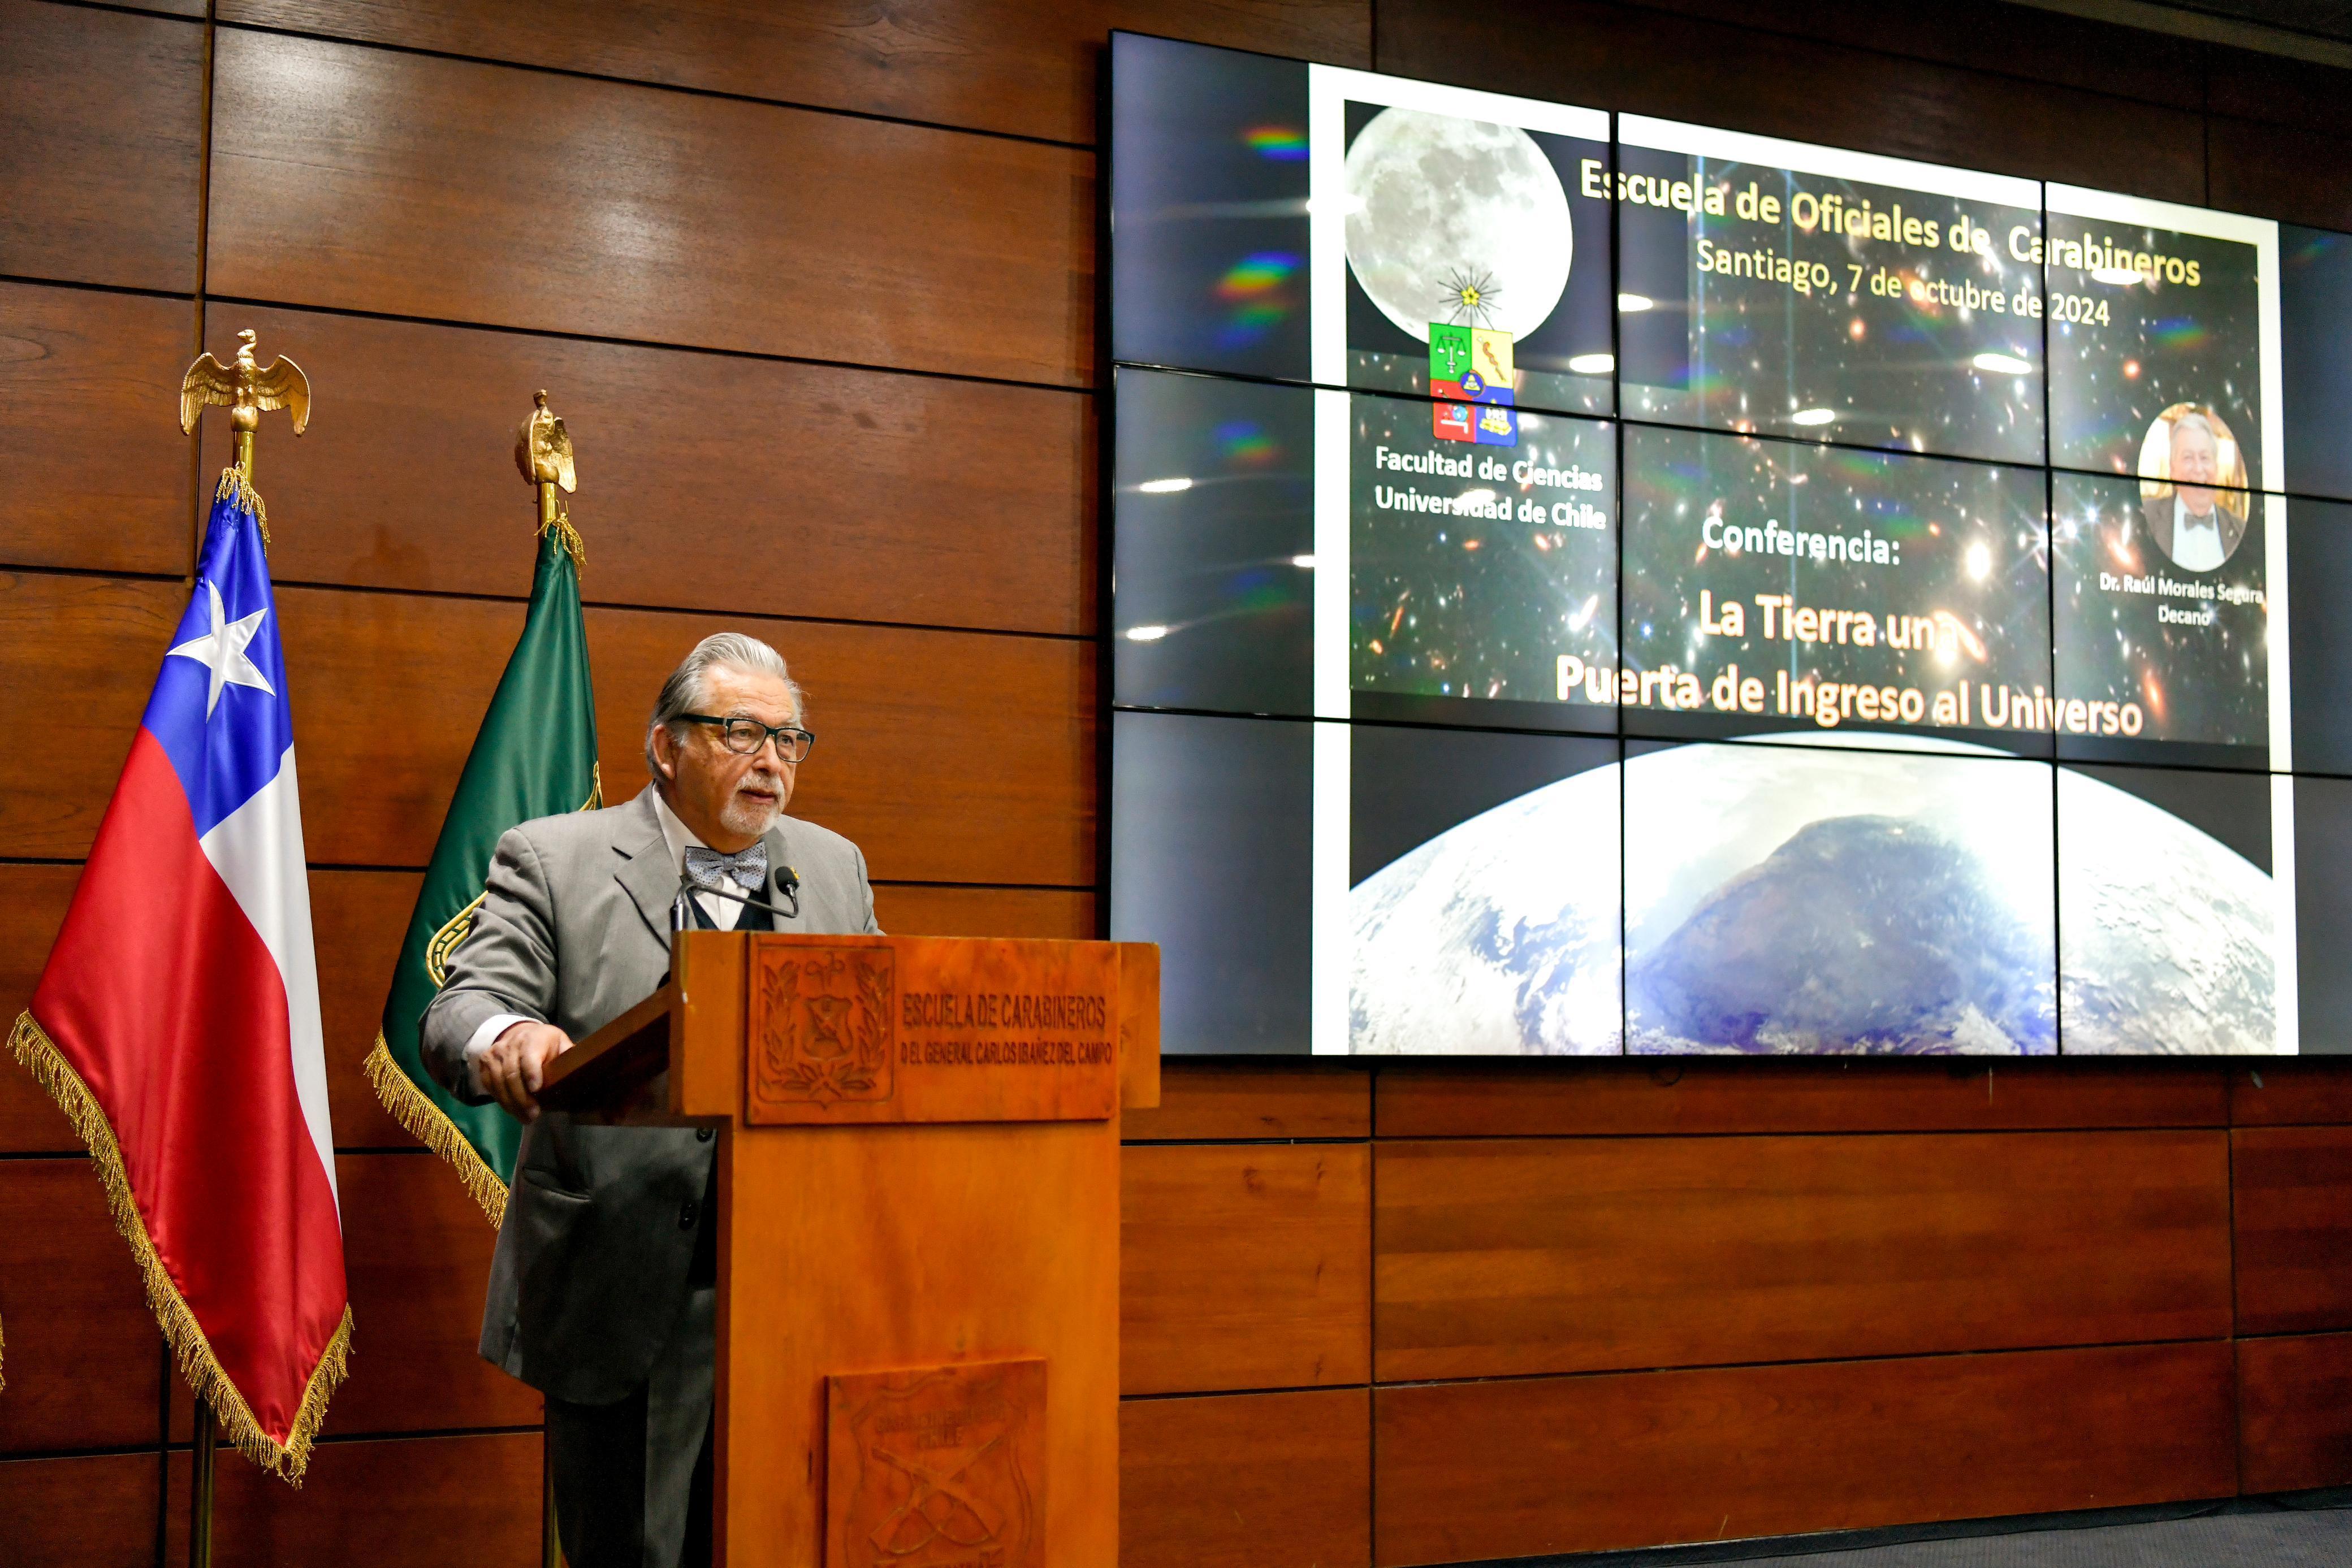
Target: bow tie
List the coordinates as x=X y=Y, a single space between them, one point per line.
x=706 y=866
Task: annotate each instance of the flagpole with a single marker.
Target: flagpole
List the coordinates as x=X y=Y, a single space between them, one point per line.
x=200 y=1488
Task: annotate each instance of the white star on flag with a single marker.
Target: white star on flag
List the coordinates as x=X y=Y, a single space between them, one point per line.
x=222 y=651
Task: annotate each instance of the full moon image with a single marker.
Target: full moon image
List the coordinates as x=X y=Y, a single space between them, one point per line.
x=1445 y=207
x=1785 y=900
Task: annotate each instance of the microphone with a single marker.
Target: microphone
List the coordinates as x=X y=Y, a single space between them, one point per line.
x=788 y=883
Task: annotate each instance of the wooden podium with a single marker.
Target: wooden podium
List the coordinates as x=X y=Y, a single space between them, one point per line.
x=917 y=1139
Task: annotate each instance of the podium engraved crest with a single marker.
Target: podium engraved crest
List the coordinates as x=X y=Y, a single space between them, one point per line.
x=938 y=1467
x=822 y=1025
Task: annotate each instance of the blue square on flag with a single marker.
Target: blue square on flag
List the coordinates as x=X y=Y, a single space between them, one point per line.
x=1496 y=427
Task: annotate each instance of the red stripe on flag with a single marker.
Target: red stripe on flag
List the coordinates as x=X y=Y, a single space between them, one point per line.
x=162 y=994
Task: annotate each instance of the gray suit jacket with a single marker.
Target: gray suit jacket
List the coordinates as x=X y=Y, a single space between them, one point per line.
x=589 y=1277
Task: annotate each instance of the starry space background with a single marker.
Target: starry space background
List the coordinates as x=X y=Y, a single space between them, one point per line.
x=1741 y=353
x=1973 y=544
x=1470 y=610
x=2205 y=689
x=2163 y=343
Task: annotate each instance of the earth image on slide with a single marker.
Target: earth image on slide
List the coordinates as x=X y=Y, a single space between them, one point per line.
x=1780 y=899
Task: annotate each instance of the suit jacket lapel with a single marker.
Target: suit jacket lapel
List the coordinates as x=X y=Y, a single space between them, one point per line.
x=645 y=871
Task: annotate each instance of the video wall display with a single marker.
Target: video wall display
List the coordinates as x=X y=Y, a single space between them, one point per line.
x=1587 y=585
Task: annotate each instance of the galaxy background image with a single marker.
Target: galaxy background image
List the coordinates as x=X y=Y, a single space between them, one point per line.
x=2162 y=343
x=1899 y=368
x=1478 y=611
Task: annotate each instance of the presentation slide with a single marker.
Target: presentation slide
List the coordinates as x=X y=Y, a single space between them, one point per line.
x=1771 y=585
x=1768 y=285
x=1699 y=593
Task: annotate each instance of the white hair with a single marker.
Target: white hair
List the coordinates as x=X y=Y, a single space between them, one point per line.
x=688 y=686
x=2201 y=423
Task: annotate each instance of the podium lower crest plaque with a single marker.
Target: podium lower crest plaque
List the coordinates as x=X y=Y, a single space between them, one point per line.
x=938 y=1467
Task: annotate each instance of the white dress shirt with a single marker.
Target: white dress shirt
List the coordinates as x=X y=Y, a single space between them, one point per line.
x=723 y=913
x=2196 y=543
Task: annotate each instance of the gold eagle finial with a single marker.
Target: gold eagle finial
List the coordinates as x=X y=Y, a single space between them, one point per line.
x=543 y=453
x=544 y=448
x=247 y=390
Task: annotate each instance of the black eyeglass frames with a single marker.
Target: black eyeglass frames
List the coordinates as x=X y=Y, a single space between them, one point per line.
x=744 y=736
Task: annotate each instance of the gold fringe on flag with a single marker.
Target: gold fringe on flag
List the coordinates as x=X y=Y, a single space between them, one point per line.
x=234 y=485
x=40 y=1056
x=559 y=524
x=430 y=1125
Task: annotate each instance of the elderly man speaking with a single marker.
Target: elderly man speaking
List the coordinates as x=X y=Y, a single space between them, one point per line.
x=602 y=1287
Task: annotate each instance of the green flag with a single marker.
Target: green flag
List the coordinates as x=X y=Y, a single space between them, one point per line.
x=535 y=757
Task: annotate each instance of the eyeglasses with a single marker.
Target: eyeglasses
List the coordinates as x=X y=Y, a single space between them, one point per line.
x=744 y=736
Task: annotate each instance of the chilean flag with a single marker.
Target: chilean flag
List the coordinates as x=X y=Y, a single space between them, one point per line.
x=177 y=1021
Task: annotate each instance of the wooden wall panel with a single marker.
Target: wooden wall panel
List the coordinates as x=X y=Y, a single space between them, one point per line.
x=1207 y=1100
x=2294 y=1413
x=2294 y=1229
x=1641 y=62
x=2267 y=170
x=417 y=1251
x=93 y=1512
x=708 y=481
x=1708 y=1096
x=97 y=468
x=102 y=116
x=2290 y=1093
x=1507 y=1257
x=1582 y=1464
x=413 y=1503
x=1244 y=1267
x=948 y=757
x=1247 y=1481
x=33 y=899
x=929 y=910
x=357 y=919
x=84 y=1355
x=992 y=65
x=1982 y=35
x=2241 y=84
x=526 y=199
x=85 y=647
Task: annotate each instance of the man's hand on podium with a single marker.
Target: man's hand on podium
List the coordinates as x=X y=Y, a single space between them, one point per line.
x=515 y=1063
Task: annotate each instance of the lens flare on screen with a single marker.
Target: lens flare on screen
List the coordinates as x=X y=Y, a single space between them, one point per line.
x=1276 y=143
x=1252 y=291
x=1245 y=441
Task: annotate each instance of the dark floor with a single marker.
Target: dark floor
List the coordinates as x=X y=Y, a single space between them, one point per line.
x=2307 y=1531
x=2283 y=1540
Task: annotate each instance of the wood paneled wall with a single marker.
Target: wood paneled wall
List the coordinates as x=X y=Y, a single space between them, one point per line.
x=815 y=285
